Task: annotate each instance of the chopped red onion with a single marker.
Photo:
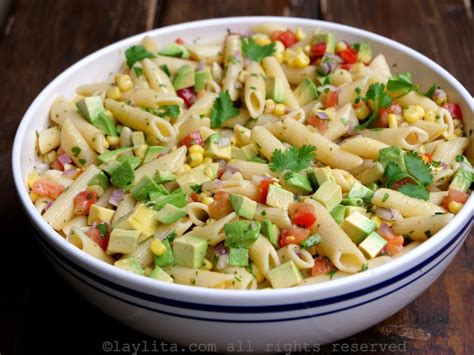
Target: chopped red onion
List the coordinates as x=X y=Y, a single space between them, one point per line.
x=385 y=231
x=64 y=159
x=71 y=173
x=116 y=197
x=220 y=249
x=322 y=115
x=232 y=169
x=46 y=207
x=389 y=214
x=438 y=93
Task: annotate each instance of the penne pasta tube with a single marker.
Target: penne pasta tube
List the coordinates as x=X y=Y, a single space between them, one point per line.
x=296 y=75
x=446 y=152
x=93 y=89
x=266 y=142
x=198 y=213
x=273 y=214
x=173 y=64
x=149 y=98
x=274 y=70
x=255 y=90
x=76 y=146
x=421 y=227
x=409 y=138
x=301 y=257
x=138 y=79
x=339 y=127
x=79 y=239
x=233 y=65
x=49 y=139
x=364 y=147
x=206 y=53
x=213 y=232
x=157 y=78
x=434 y=130
x=199 y=277
x=170 y=162
x=264 y=255
x=250 y=168
x=202 y=106
x=243 y=280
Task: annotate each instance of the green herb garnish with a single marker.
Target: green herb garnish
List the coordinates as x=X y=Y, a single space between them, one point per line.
x=137 y=53
x=256 y=52
x=294 y=159
x=222 y=110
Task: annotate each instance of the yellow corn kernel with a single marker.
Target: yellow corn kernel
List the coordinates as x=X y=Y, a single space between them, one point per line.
x=341 y=46
x=392 y=120
x=458 y=132
x=33 y=196
x=113 y=93
x=186 y=167
x=331 y=112
x=278 y=57
x=207 y=160
x=113 y=141
x=269 y=106
x=455 y=207
x=430 y=116
x=411 y=115
x=300 y=34
x=279 y=47
x=261 y=39
x=288 y=54
x=196 y=159
x=32 y=178
x=291 y=62
x=206 y=265
x=207 y=200
x=420 y=110
x=124 y=82
x=307 y=49
x=196 y=148
x=362 y=111
x=279 y=110
x=157 y=247
x=301 y=60
x=376 y=220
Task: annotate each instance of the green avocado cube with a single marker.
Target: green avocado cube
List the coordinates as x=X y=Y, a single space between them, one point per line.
x=359 y=191
x=189 y=251
x=372 y=245
x=351 y=209
x=167 y=258
x=177 y=198
x=279 y=197
x=170 y=214
x=113 y=154
x=338 y=213
x=130 y=265
x=358 y=227
x=175 y=50
x=218 y=147
x=141 y=190
x=323 y=174
x=101 y=180
x=246 y=152
x=285 y=275
x=152 y=153
x=364 y=52
x=329 y=194
x=138 y=138
x=241 y=233
x=184 y=77
x=299 y=182
x=271 y=232
x=106 y=124
x=134 y=161
x=306 y=92
x=327 y=38
x=164 y=176
x=238 y=256
x=123 y=176
x=123 y=241
x=464 y=176
x=90 y=107
x=243 y=206
x=201 y=78
x=275 y=89
x=159 y=274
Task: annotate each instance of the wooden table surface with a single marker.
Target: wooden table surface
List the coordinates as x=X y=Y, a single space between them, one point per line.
x=40 y=314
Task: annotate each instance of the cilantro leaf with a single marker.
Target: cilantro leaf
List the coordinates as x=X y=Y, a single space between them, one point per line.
x=381 y=99
x=401 y=84
x=137 y=53
x=197 y=188
x=256 y=52
x=430 y=92
x=222 y=110
x=138 y=71
x=416 y=191
x=170 y=111
x=294 y=159
x=418 y=169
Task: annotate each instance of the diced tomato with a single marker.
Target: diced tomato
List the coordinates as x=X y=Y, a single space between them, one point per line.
x=322 y=266
x=288 y=38
x=47 y=188
x=330 y=99
x=427 y=158
x=179 y=41
x=454 y=195
x=96 y=233
x=348 y=55
x=192 y=139
x=382 y=120
x=346 y=66
x=194 y=196
x=394 y=242
x=83 y=202
x=454 y=110
x=302 y=214
x=293 y=235
x=188 y=95
x=57 y=165
x=221 y=206
x=264 y=186
x=318 y=50
x=321 y=125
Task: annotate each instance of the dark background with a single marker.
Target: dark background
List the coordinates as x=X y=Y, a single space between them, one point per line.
x=39 y=314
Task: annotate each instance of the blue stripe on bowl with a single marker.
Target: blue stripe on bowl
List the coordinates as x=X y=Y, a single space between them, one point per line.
x=256 y=310
x=253 y=309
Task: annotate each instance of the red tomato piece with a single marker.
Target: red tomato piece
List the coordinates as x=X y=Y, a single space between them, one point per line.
x=454 y=195
x=346 y=66
x=322 y=266
x=394 y=245
x=318 y=50
x=454 y=110
x=83 y=202
x=221 y=206
x=382 y=120
x=179 y=41
x=321 y=125
x=57 y=165
x=302 y=214
x=47 y=188
x=100 y=234
x=293 y=235
x=348 y=55
x=264 y=186
x=192 y=139
x=188 y=95
x=194 y=196
x=330 y=99
x=288 y=38
x=427 y=158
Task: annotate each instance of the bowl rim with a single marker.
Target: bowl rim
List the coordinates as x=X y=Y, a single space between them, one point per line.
x=339 y=286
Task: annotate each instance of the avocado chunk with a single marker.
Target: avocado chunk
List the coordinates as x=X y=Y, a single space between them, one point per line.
x=358 y=227
x=123 y=176
x=184 y=77
x=175 y=50
x=130 y=265
x=271 y=232
x=90 y=107
x=201 y=78
x=100 y=214
x=299 y=182
x=285 y=275
x=152 y=153
x=138 y=138
x=238 y=256
x=189 y=251
x=197 y=176
x=101 y=180
x=106 y=124
x=159 y=274
x=123 y=241
x=177 y=198
x=311 y=241
x=134 y=161
x=351 y=209
x=142 y=218
x=241 y=233
x=218 y=147
x=246 y=152
x=170 y=214
x=141 y=190
x=275 y=89
x=167 y=258
x=164 y=176
x=464 y=176
x=364 y=52
x=372 y=245
x=359 y=191
x=338 y=213
x=329 y=194
x=327 y=38
x=392 y=155
x=113 y=154
x=243 y=206
x=306 y=92
x=323 y=174
x=279 y=197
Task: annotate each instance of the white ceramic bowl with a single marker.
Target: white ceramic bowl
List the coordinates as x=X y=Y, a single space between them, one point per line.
x=316 y=314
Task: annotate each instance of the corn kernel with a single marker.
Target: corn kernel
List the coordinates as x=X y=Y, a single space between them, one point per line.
x=207 y=160
x=186 y=167
x=261 y=39
x=300 y=34
x=124 y=82
x=196 y=148
x=455 y=207
x=307 y=49
x=207 y=200
x=279 y=47
x=33 y=196
x=362 y=111
x=269 y=106
x=288 y=54
x=196 y=159
x=411 y=115
x=458 y=132
x=376 y=220
x=392 y=120
x=113 y=141
x=157 y=247
x=113 y=93
x=420 y=110
x=301 y=60
x=278 y=57
x=430 y=116
x=206 y=265
x=341 y=46
x=279 y=110
x=32 y=178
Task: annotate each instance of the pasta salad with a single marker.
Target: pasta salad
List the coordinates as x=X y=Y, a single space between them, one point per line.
x=272 y=159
